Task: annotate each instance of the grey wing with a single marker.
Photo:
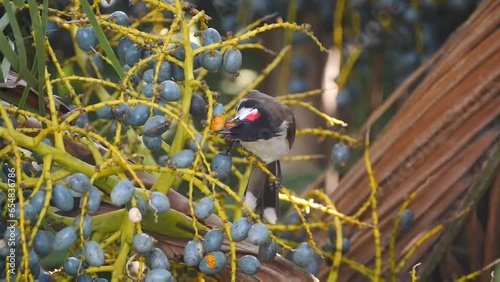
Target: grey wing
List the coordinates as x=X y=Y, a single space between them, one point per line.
x=291 y=130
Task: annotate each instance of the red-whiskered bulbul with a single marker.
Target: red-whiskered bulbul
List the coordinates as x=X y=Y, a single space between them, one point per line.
x=266 y=127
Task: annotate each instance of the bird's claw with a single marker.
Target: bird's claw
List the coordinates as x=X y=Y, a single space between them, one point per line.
x=233 y=142
x=276 y=183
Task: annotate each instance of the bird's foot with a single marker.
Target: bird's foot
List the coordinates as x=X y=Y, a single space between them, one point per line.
x=276 y=183
x=231 y=143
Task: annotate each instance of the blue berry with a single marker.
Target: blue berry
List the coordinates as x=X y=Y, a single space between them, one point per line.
x=93 y=201
x=84 y=278
x=258 y=234
x=51 y=30
x=71 y=266
x=33 y=263
x=64 y=239
x=207 y=263
x=79 y=183
x=152 y=143
x=134 y=80
x=105 y=112
x=82 y=120
x=267 y=251
x=193 y=253
x=239 y=230
x=159 y=275
x=62 y=198
x=210 y=36
x=158 y=260
x=218 y=110
x=312 y=266
x=119 y=17
x=211 y=60
x=147 y=90
x=198 y=106
x=213 y=241
x=332 y=233
x=41 y=243
x=192 y=144
x=171 y=91
x=148 y=76
x=27 y=193
x=340 y=155
x=177 y=72
x=27 y=168
x=248 y=264
x=204 y=208
x=142 y=243
x=139 y=115
x=123 y=46
x=29 y=211
x=153 y=62
x=44 y=277
x=133 y=55
x=114 y=127
x=38 y=201
x=165 y=71
x=122 y=193
x=14 y=122
x=406 y=219
x=346 y=245
x=183 y=159
x=232 y=61
x=87 y=225
x=36 y=155
x=303 y=254
x=93 y=253
x=180 y=54
x=121 y=112
x=86 y=38
x=162 y=160
x=221 y=164
x=159 y=202
x=156 y=126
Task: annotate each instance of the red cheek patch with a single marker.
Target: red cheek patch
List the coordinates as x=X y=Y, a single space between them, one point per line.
x=253 y=116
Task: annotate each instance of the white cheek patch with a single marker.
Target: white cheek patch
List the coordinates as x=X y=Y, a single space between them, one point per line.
x=243 y=113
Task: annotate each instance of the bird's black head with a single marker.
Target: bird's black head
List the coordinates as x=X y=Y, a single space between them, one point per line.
x=251 y=123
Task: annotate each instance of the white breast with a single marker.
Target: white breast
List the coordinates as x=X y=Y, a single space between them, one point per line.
x=269 y=150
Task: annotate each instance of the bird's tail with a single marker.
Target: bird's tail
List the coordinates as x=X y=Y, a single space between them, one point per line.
x=262 y=195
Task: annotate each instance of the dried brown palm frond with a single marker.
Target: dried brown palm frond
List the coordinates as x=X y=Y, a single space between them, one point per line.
x=442 y=144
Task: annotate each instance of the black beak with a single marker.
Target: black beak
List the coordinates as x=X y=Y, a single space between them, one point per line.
x=229 y=126
x=225 y=131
